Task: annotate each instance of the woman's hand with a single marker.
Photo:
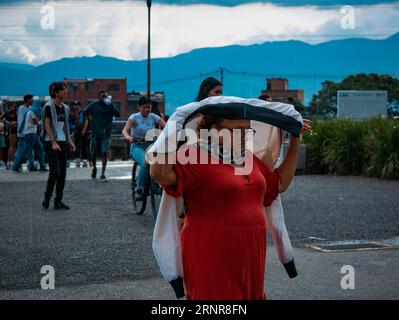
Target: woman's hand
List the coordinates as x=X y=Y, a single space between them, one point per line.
x=305 y=128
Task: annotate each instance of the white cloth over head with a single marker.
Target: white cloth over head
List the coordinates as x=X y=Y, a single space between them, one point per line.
x=268 y=119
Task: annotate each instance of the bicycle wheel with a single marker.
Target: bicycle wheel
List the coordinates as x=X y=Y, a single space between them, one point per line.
x=138 y=204
x=156 y=194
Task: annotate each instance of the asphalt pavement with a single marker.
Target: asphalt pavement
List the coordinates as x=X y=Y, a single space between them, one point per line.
x=101 y=250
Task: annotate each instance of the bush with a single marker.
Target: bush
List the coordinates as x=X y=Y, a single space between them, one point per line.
x=345 y=147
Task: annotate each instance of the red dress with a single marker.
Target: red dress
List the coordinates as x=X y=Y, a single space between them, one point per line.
x=224 y=234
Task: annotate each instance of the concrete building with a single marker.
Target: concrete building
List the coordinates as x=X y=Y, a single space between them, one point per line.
x=86 y=91
x=277 y=89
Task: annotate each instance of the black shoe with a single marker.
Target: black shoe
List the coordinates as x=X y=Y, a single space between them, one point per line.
x=94 y=173
x=60 y=206
x=46 y=203
x=103 y=178
x=43 y=170
x=17 y=170
x=33 y=169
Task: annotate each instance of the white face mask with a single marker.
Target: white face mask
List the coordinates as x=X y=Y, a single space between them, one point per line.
x=237 y=150
x=107 y=100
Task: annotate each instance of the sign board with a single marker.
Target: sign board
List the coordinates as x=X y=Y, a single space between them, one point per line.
x=359 y=104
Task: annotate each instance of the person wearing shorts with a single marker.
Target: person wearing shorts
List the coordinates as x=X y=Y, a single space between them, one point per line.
x=101 y=114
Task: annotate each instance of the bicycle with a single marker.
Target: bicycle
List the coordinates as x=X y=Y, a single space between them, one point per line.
x=151 y=188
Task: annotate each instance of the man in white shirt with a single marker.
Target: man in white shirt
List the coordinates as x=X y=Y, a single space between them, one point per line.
x=22 y=110
x=31 y=139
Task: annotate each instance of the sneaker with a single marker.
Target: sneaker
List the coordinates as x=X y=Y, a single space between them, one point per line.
x=94 y=173
x=43 y=169
x=33 y=169
x=103 y=178
x=2 y=165
x=60 y=206
x=85 y=165
x=17 y=170
x=9 y=165
x=46 y=203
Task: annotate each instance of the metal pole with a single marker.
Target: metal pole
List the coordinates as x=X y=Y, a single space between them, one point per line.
x=149 y=2
x=221 y=75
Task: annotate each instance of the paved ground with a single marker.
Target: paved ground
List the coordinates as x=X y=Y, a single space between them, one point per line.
x=101 y=250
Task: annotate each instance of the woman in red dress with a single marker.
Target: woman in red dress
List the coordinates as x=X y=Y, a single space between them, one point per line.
x=224 y=235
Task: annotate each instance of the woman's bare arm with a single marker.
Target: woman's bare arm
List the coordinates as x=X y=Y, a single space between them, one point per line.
x=163 y=174
x=288 y=166
x=126 y=130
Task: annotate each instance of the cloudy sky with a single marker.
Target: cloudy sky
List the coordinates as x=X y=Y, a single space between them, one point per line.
x=29 y=34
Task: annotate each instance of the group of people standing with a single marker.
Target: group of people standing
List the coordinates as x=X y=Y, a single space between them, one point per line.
x=224 y=231
x=22 y=125
x=53 y=132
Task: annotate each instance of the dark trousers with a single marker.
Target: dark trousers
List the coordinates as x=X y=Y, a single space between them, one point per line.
x=57 y=161
x=82 y=147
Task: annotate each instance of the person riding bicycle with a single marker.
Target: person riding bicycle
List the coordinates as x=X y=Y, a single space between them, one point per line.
x=135 y=131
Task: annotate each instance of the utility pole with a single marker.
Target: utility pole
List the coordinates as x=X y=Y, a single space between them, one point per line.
x=149 y=3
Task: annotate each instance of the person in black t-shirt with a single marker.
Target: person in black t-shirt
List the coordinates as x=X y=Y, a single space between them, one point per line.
x=57 y=141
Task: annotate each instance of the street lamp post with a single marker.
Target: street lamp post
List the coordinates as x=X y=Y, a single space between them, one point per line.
x=149 y=3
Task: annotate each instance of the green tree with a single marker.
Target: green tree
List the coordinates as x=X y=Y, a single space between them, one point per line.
x=325 y=101
x=298 y=105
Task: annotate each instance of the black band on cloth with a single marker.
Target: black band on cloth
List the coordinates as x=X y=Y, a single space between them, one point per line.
x=239 y=110
x=291 y=269
x=178 y=287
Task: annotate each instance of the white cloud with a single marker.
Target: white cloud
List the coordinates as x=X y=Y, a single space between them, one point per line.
x=119 y=29
x=16 y=50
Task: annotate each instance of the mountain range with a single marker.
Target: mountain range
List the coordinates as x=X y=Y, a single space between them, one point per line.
x=246 y=68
